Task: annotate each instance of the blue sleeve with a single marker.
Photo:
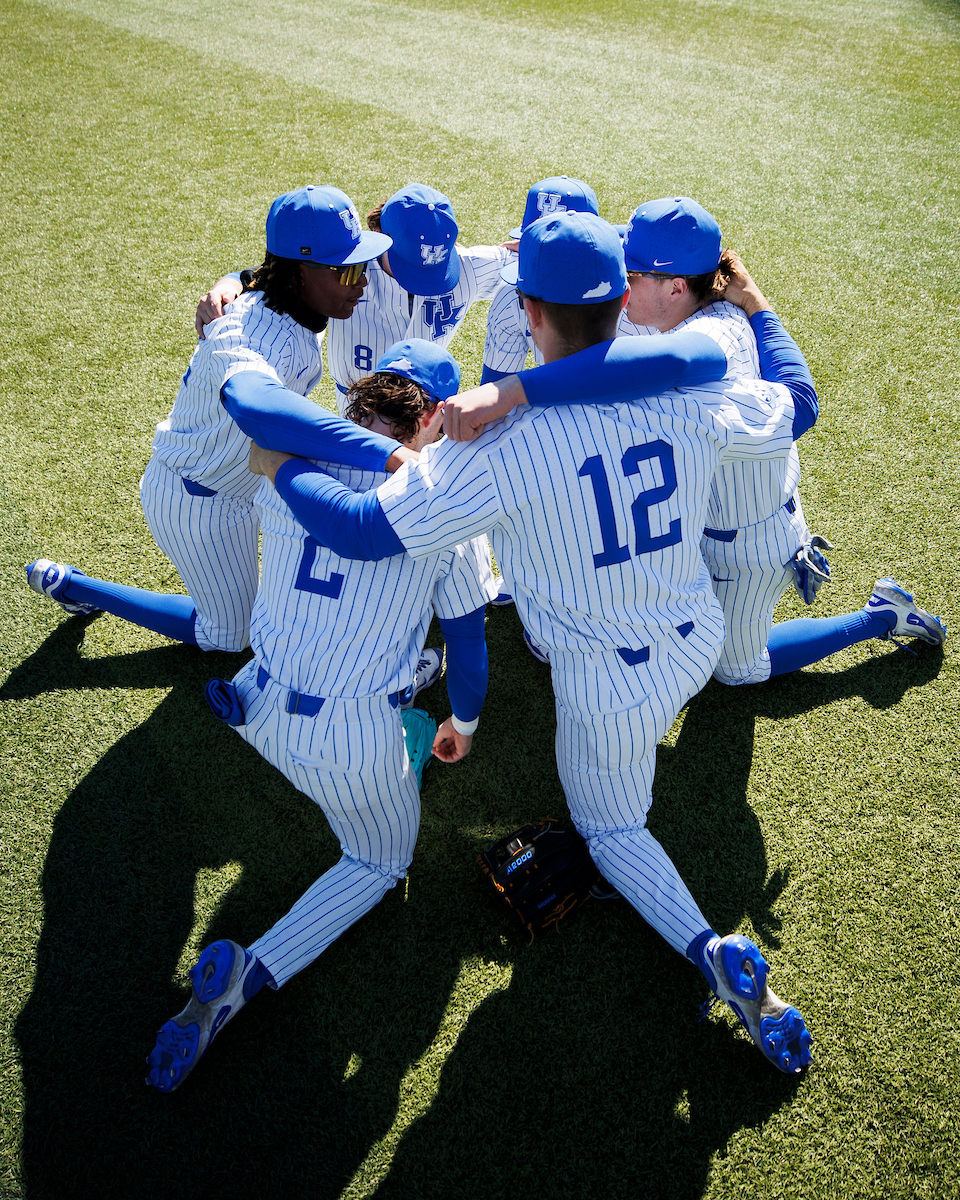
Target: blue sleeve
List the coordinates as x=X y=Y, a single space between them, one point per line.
x=466 y=663
x=626 y=369
x=278 y=419
x=489 y=375
x=351 y=524
x=782 y=361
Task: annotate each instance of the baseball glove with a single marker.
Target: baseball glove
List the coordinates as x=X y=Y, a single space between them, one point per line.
x=810 y=569
x=419 y=730
x=541 y=873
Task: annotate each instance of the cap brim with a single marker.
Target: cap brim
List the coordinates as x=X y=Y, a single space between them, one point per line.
x=515 y=233
x=426 y=281
x=370 y=246
x=511 y=273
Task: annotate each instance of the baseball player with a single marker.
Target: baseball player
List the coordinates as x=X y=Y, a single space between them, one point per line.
x=423 y=288
x=595 y=514
x=197 y=491
x=755 y=541
x=320 y=701
x=508 y=339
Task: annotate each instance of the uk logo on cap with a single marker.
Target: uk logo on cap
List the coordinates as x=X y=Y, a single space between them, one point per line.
x=433 y=256
x=549 y=202
x=351 y=219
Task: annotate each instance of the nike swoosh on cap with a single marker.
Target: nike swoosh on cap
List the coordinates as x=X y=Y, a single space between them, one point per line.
x=666 y=263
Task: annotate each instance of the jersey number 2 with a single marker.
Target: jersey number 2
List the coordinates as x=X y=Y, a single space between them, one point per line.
x=594 y=470
x=305 y=581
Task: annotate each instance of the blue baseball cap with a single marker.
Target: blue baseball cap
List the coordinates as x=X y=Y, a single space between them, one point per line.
x=673 y=236
x=557 y=194
x=423 y=258
x=571 y=258
x=321 y=225
x=426 y=364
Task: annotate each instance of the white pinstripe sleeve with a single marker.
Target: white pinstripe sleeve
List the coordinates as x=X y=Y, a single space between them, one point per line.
x=758 y=420
x=482 y=266
x=198 y=439
x=449 y=496
x=508 y=336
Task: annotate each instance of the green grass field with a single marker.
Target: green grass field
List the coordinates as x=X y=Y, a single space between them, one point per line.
x=430 y=1053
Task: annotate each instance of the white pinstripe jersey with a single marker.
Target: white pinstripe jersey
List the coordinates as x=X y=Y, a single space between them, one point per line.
x=198 y=439
x=387 y=314
x=508 y=337
x=331 y=626
x=595 y=512
x=742 y=493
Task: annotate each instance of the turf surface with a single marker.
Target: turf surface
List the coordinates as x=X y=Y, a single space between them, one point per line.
x=429 y=1053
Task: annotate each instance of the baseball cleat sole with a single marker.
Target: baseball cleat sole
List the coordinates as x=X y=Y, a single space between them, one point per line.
x=740 y=980
x=217 y=982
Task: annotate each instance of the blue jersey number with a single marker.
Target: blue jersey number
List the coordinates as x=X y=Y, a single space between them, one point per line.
x=594 y=470
x=363 y=358
x=305 y=581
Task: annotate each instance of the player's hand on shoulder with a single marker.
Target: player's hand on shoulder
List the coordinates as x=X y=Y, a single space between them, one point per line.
x=211 y=305
x=449 y=745
x=466 y=414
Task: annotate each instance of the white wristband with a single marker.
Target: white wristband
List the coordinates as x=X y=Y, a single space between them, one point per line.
x=464 y=727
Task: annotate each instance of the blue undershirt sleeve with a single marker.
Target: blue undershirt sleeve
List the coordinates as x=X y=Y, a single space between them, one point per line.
x=782 y=361
x=489 y=375
x=351 y=524
x=466 y=663
x=625 y=369
x=278 y=419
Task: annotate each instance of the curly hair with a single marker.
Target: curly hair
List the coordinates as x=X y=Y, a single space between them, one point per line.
x=373 y=217
x=279 y=280
x=400 y=402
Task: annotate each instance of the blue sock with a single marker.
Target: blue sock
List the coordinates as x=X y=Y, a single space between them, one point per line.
x=259 y=977
x=696 y=952
x=173 y=616
x=796 y=644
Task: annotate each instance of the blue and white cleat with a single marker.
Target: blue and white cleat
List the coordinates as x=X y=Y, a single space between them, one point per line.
x=912 y=620
x=539 y=654
x=739 y=973
x=51 y=579
x=218 y=995
x=428 y=672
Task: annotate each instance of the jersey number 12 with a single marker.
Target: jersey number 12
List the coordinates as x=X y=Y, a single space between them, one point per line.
x=595 y=470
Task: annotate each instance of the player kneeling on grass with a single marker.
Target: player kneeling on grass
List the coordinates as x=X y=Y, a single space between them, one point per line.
x=595 y=515
x=336 y=645
x=197 y=491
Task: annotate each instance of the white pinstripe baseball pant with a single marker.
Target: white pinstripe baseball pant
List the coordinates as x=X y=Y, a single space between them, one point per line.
x=213 y=541
x=749 y=575
x=610 y=717
x=351 y=760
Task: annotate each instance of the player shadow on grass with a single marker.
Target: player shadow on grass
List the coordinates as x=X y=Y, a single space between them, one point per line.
x=291 y=1097
x=590 y=1074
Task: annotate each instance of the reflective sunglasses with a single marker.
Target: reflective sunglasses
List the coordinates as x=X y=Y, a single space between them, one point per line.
x=348 y=276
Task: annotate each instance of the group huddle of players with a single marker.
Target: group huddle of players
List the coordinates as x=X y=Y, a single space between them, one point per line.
x=638 y=488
